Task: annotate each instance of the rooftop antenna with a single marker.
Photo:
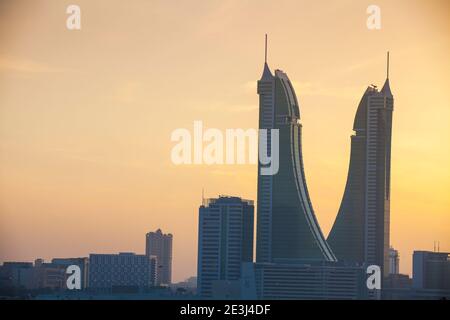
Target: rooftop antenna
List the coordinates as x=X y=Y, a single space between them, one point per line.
x=203 y=196
x=265 y=50
x=434 y=247
x=387 y=71
x=438 y=246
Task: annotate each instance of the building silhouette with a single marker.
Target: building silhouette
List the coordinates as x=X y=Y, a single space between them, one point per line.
x=293 y=259
x=318 y=280
x=287 y=228
x=18 y=275
x=82 y=263
x=431 y=270
x=159 y=245
x=126 y=269
x=394 y=261
x=225 y=240
x=361 y=230
x=430 y=279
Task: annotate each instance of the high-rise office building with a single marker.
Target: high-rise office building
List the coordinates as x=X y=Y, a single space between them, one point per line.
x=225 y=240
x=361 y=230
x=287 y=228
x=159 y=245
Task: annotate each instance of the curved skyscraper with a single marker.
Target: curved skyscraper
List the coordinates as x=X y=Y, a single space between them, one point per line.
x=361 y=230
x=287 y=229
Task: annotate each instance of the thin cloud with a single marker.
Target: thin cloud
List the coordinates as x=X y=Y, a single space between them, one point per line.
x=26 y=66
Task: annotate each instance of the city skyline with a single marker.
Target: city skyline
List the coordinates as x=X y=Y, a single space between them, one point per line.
x=86 y=164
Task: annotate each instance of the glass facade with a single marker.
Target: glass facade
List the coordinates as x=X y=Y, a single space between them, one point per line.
x=361 y=230
x=287 y=229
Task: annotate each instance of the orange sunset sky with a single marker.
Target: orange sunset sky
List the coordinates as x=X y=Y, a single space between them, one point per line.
x=86 y=115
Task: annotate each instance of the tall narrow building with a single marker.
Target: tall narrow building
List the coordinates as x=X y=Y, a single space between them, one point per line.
x=361 y=230
x=394 y=261
x=159 y=245
x=225 y=241
x=287 y=228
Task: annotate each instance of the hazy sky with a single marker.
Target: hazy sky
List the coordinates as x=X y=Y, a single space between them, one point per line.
x=86 y=116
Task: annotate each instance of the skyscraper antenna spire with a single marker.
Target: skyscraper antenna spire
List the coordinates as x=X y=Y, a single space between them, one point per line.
x=265 y=50
x=387 y=71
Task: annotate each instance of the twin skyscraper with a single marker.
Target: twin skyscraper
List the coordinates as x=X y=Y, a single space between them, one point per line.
x=294 y=260
x=287 y=228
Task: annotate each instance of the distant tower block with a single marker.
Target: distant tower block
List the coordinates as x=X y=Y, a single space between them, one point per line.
x=394 y=261
x=159 y=245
